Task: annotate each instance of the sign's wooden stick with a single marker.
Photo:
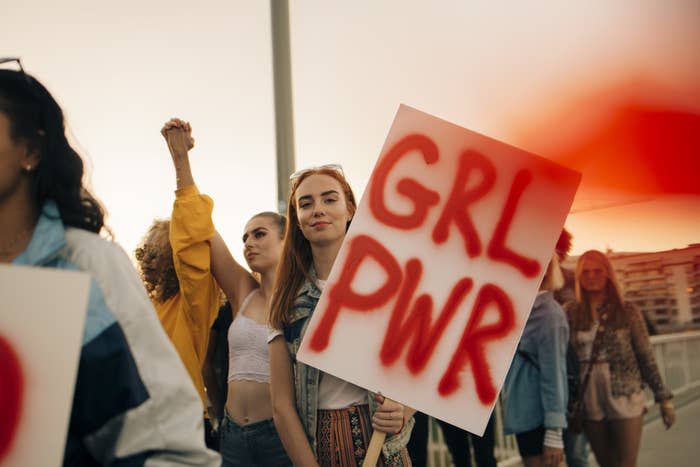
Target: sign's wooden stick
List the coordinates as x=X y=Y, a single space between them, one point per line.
x=374 y=449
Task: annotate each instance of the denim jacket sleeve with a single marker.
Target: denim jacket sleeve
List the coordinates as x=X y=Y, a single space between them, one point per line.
x=551 y=353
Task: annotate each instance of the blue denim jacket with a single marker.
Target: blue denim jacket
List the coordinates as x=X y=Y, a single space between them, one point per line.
x=535 y=397
x=306 y=378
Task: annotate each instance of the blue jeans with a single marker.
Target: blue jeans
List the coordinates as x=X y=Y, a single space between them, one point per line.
x=575 y=449
x=251 y=445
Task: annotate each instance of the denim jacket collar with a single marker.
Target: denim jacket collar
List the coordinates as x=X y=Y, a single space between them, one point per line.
x=543 y=298
x=310 y=286
x=306 y=298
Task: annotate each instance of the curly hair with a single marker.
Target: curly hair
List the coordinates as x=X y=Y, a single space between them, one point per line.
x=37 y=119
x=155 y=262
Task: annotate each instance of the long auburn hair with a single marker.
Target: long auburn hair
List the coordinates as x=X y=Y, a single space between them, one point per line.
x=295 y=265
x=583 y=319
x=37 y=119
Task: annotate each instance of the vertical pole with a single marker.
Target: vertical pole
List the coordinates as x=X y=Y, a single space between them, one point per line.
x=284 y=115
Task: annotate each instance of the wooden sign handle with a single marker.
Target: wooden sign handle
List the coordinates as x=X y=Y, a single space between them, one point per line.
x=374 y=449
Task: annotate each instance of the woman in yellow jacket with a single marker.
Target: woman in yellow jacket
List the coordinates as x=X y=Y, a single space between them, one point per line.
x=174 y=261
x=247 y=433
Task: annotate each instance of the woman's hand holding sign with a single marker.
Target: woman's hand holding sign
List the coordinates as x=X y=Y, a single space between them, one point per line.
x=390 y=416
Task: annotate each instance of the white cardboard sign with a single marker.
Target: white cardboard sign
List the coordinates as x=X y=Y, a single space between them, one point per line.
x=435 y=280
x=42 y=315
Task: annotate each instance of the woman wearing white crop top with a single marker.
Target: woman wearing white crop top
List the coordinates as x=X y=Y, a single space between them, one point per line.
x=247 y=433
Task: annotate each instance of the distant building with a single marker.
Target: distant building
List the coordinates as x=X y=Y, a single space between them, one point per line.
x=665 y=285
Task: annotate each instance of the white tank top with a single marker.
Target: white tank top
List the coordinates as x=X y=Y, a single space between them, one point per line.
x=248 y=358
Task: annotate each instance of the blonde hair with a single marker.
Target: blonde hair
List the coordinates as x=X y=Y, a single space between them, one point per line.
x=613 y=294
x=612 y=289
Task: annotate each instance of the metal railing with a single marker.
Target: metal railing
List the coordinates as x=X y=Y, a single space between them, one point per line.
x=678 y=358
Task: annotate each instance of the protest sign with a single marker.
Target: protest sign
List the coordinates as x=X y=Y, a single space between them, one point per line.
x=434 y=282
x=41 y=329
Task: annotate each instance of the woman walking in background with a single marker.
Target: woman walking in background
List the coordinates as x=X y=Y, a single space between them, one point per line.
x=613 y=347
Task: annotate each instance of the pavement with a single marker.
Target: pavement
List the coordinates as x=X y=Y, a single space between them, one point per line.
x=677 y=447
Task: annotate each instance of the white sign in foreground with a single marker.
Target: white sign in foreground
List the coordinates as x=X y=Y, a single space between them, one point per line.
x=432 y=287
x=41 y=327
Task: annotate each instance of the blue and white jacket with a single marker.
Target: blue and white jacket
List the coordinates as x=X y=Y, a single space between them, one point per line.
x=134 y=403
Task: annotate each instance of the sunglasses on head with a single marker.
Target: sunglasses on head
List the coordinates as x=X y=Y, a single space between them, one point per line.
x=18 y=61
x=12 y=60
x=335 y=167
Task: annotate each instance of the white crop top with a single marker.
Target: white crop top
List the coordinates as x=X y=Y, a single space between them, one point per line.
x=248 y=358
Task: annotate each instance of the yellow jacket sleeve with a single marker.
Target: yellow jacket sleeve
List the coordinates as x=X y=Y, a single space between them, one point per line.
x=191 y=230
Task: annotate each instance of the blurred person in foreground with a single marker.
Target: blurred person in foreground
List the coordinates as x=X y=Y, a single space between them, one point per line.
x=133 y=403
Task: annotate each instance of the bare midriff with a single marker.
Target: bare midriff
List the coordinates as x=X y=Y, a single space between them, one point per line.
x=248 y=402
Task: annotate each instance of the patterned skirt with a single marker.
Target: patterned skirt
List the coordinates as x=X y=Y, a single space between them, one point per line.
x=343 y=436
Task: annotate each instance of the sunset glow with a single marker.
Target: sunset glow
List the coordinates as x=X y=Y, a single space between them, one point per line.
x=612 y=93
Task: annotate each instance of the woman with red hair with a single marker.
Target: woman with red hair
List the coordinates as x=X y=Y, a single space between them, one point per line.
x=321 y=419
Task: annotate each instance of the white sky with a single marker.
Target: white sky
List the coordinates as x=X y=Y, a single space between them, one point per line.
x=122 y=69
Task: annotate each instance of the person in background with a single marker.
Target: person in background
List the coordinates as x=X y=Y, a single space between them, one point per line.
x=535 y=391
x=215 y=369
x=613 y=346
x=575 y=444
x=247 y=433
x=133 y=402
x=457 y=441
x=562 y=249
x=174 y=262
x=321 y=419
